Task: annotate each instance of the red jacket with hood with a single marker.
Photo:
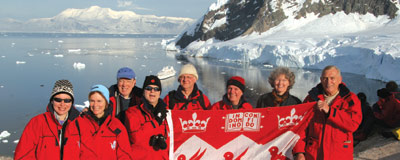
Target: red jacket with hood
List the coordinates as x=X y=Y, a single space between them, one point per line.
x=197 y=100
x=389 y=109
x=225 y=104
x=41 y=136
x=142 y=122
x=330 y=136
x=86 y=139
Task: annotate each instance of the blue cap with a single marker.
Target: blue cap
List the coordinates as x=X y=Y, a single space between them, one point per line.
x=103 y=90
x=126 y=72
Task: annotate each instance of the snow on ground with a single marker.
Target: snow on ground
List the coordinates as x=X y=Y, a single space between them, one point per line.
x=361 y=44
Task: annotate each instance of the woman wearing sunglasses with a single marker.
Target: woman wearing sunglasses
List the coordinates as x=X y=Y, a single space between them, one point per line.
x=146 y=123
x=97 y=134
x=43 y=136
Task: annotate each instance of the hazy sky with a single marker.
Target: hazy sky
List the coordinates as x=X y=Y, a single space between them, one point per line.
x=28 y=9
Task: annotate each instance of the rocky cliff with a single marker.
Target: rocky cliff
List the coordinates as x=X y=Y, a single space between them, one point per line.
x=242 y=17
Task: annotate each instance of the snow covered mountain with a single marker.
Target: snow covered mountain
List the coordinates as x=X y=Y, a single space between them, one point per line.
x=359 y=36
x=99 y=20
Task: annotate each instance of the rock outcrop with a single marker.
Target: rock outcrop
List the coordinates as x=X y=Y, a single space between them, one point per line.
x=242 y=17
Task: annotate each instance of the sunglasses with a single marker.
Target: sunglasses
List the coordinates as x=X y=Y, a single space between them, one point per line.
x=60 y=100
x=151 y=88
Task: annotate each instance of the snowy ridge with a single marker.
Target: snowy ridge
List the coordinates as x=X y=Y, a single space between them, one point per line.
x=357 y=43
x=284 y=144
x=100 y=20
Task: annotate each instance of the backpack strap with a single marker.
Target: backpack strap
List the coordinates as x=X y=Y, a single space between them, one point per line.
x=171 y=103
x=201 y=101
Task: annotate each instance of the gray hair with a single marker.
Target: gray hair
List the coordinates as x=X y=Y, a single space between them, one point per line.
x=331 y=67
x=282 y=70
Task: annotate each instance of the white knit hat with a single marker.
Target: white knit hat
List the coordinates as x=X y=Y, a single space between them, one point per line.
x=189 y=69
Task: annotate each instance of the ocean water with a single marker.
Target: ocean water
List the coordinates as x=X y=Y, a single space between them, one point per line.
x=30 y=63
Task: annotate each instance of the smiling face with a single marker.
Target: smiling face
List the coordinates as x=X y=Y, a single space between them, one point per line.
x=125 y=86
x=97 y=104
x=187 y=81
x=151 y=95
x=234 y=93
x=62 y=108
x=330 y=80
x=281 y=84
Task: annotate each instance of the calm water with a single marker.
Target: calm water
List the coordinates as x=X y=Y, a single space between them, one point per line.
x=25 y=87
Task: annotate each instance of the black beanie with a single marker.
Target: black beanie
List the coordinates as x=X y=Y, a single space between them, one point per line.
x=152 y=80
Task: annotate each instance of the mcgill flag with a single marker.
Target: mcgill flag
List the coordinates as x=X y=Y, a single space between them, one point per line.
x=267 y=133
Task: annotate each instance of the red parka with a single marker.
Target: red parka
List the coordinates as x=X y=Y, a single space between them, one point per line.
x=142 y=124
x=389 y=109
x=197 y=100
x=224 y=104
x=330 y=136
x=86 y=139
x=41 y=136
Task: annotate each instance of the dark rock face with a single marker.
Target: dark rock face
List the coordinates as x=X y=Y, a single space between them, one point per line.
x=247 y=16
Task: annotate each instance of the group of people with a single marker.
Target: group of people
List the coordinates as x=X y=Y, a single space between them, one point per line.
x=128 y=122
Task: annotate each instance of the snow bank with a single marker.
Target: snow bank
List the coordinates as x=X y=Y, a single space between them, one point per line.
x=361 y=44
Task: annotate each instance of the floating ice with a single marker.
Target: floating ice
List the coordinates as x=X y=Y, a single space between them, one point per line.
x=30 y=54
x=143 y=65
x=4 y=134
x=80 y=107
x=1 y=86
x=58 y=55
x=268 y=66
x=223 y=72
x=60 y=41
x=74 y=50
x=100 y=64
x=20 y=62
x=3 y=56
x=79 y=66
x=16 y=141
x=4 y=141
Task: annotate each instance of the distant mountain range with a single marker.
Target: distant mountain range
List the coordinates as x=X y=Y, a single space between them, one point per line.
x=99 y=20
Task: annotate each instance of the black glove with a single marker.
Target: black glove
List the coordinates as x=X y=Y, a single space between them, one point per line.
x=383 y=93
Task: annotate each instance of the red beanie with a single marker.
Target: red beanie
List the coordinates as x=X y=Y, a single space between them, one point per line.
x=236 y=81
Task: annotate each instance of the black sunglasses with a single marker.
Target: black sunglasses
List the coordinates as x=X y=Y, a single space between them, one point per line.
x=60 y=100
x=151 y=88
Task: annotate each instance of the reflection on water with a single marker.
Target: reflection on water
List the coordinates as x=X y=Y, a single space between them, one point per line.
x=25 y=88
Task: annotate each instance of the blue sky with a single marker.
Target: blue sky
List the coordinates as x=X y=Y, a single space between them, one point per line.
x=28 y=9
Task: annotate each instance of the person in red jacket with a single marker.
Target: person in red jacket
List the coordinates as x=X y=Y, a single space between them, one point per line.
x=125 y=92
x=97 y=134
x=146 y=123
x=387 y=108
x=187 y=96
x=233 y=99
x=337 y=114
x=43 y=136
